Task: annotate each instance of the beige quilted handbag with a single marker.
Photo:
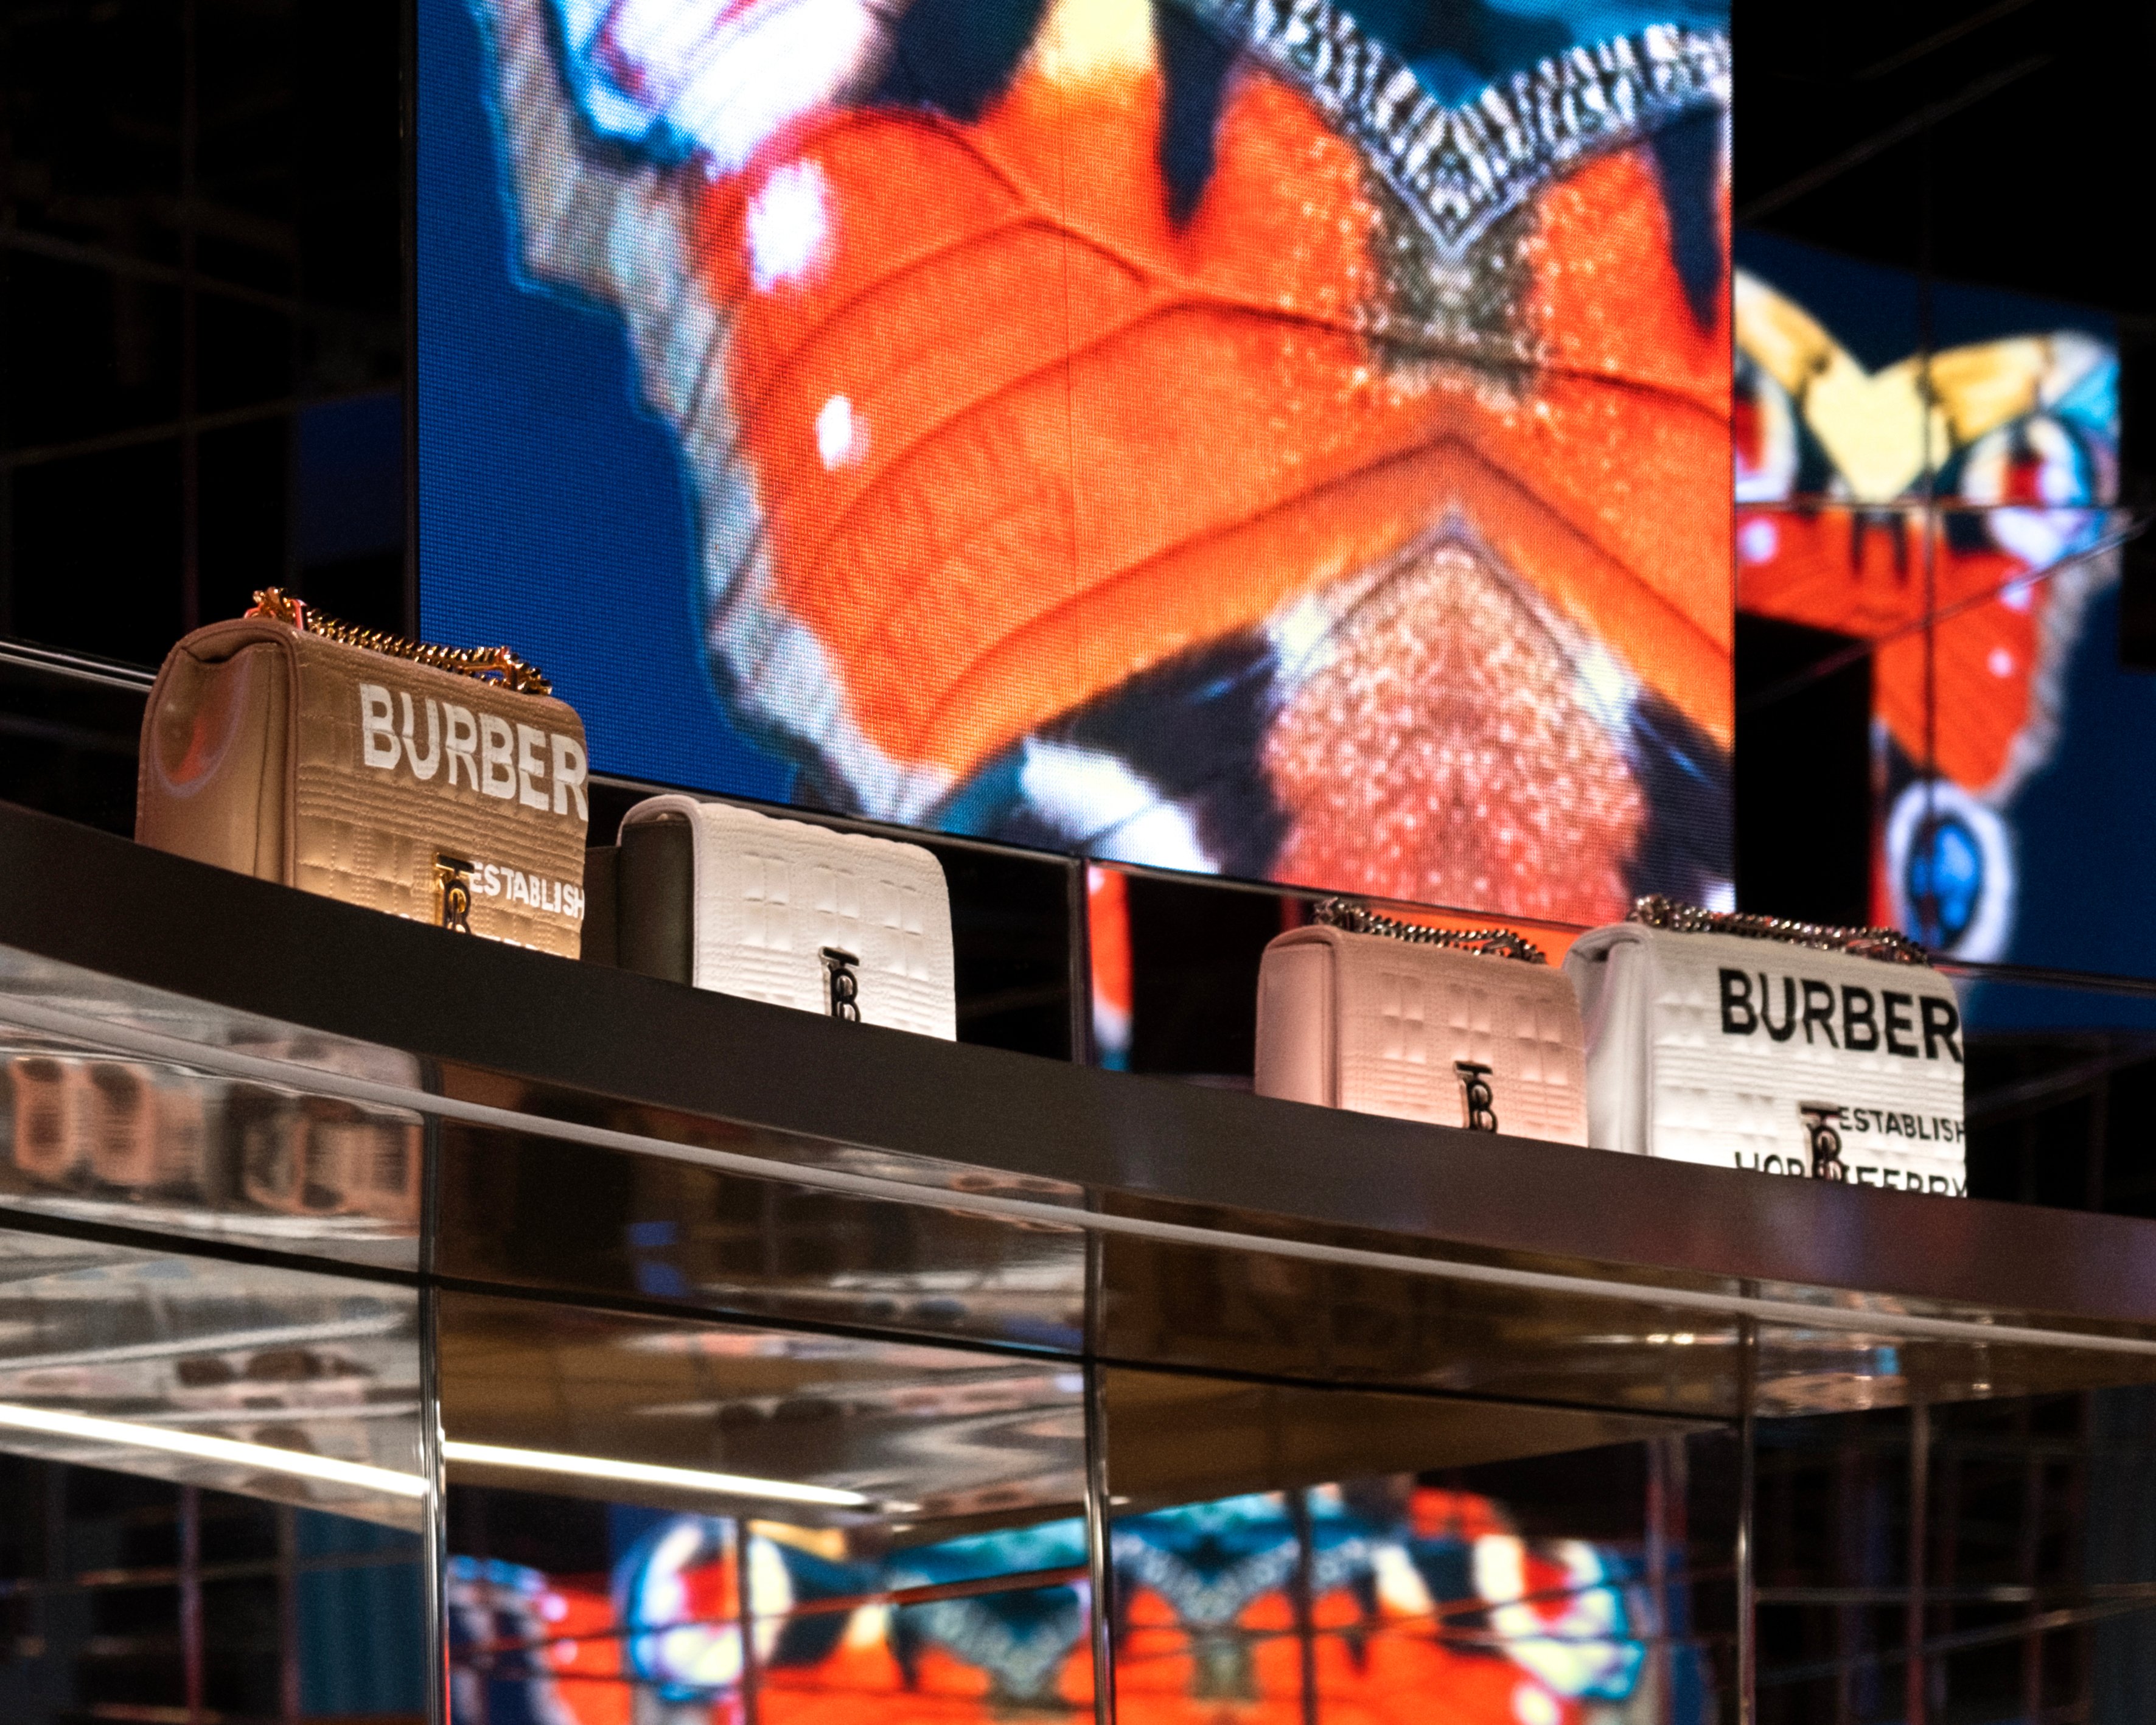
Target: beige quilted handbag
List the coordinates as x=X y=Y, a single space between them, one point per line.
x=1365 y=1012
x=446 y=786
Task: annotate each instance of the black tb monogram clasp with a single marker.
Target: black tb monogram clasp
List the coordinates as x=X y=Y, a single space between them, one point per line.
x=453 y=892
x=1821 y=1121
x=1481 y=1103
x=841 y=984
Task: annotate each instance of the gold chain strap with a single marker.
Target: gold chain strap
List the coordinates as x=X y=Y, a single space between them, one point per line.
x=488 y=664
x=1488 y=942
x=1888 y=946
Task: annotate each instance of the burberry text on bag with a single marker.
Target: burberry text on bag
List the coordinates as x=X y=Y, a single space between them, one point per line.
x=1915 y=1026
x=541 y=770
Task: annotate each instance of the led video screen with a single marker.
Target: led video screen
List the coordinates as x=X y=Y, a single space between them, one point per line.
x=1931 y=471
x=1281 y=438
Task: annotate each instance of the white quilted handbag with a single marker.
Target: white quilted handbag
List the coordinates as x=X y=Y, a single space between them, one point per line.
x=1748 y=1042
x=800 y=915
x=1368 y=1013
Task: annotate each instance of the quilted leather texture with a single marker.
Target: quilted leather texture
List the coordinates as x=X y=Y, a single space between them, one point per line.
x=774 y=897
x=347 y=773
x=1740 y=1053
x=1406 y=1018
x=370 y=834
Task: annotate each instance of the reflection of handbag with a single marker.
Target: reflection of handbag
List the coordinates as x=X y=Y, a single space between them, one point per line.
x=146 y=1132
x=120 y=1124
x=123 y=1125
x=323 y=1157
x=49 y=1102
x=1472 y=1030
x=830 y=922
x=1748 y=1042
x=445 y=787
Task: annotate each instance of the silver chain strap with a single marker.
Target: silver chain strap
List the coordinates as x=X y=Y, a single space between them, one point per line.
x=1489 y=942
x=1888 y=946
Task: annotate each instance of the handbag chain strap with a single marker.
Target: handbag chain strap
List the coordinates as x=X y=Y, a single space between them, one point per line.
x=496 y=665
x=1489 y=942
x=1889 y=946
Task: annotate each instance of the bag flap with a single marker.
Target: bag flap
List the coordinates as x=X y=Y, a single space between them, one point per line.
x=1613 y=982
x=1736 y=1051
x=1426 y=1032
x=656 y=906
x=825 y=921
x=1596 y=944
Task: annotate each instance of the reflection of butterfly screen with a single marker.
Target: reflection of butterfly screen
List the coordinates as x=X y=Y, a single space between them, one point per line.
x=1425 y=1603
x=1963 y=544
x=1283 y=437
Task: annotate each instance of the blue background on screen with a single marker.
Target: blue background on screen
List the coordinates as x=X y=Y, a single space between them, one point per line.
x=520 y=526
x=2086 y=827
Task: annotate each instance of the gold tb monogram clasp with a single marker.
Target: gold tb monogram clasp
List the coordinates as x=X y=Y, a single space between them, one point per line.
x=453 y=892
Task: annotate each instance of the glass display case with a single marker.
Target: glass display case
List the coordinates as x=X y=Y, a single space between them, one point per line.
x=399 y=1328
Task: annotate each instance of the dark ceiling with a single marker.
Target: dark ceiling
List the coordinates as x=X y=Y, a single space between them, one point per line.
x=2009 y=144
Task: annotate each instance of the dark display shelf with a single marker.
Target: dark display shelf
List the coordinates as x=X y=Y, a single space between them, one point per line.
x=575 y=1042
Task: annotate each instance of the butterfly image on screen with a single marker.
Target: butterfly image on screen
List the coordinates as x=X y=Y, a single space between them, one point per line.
x=1971 y=490
x=1274 y=437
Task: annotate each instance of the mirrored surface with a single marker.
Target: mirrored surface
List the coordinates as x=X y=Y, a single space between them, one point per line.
x=268 y=1382
x=147 y=1144
x=1987 y=1560
x=212 y=1491
x=130 y=1106
x=1824 y=1371
x=1245 y=1309
x=128 y=1598
x=1307 y=1554
x=665 y=1519
x=744 y=1424
x=118 y=1106
x=594 y=1220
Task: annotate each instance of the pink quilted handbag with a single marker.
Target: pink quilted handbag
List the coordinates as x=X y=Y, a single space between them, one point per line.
x=1473 y=1030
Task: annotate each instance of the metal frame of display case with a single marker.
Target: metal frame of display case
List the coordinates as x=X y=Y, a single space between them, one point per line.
x=1529 y=1296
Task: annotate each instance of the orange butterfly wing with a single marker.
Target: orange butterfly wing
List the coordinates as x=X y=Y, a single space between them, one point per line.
x=944 y=321
x=1831 y=568
x=1637 y=427
x=1083 y=439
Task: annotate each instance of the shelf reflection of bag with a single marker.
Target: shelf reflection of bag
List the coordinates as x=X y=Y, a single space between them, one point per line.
x=322 y=1157
x=1744 y=1042
x=119 y=1124
x=144 y=1131
x=444 y=786
x=1365 y=1012
x=110 y=1123
x=830 y=922
x=48 y=1102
